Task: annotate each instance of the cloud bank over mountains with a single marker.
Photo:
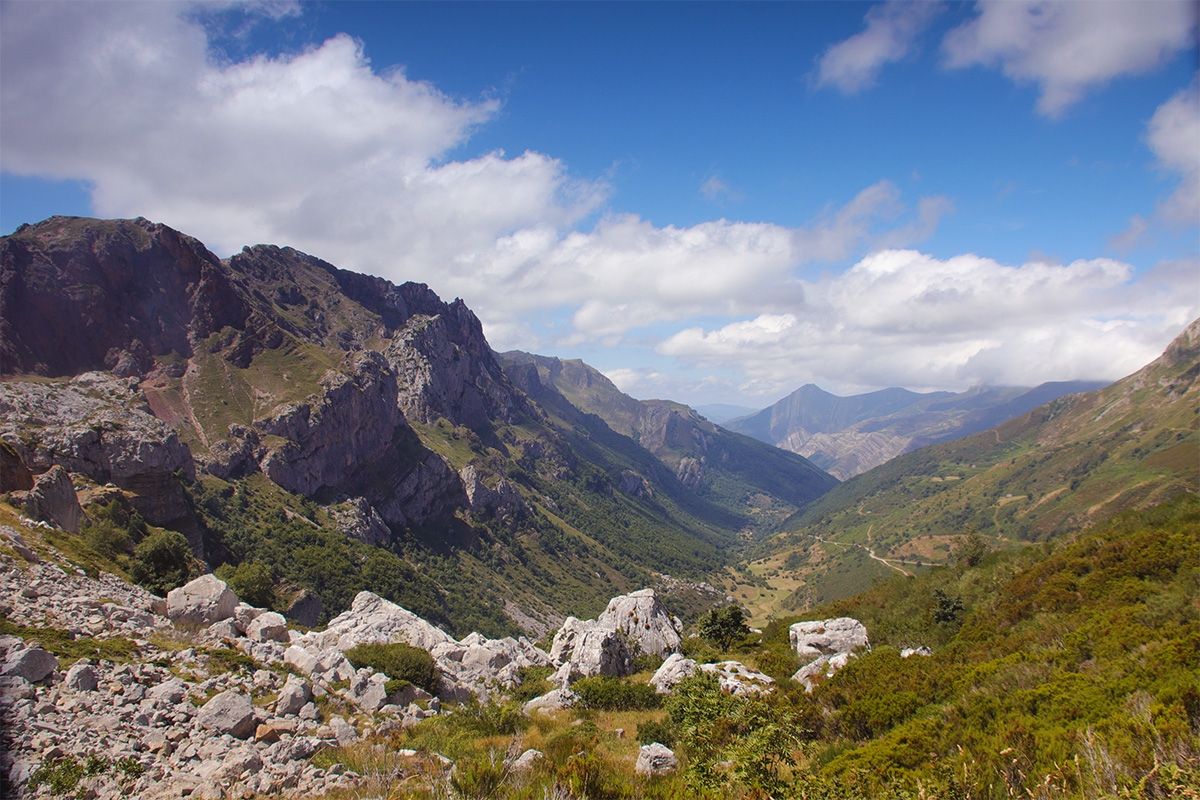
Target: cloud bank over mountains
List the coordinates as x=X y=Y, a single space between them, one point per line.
x=322 y=151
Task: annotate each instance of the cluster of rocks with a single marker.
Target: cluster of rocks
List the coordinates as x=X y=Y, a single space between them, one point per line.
x=181 y=721
x=186 y=720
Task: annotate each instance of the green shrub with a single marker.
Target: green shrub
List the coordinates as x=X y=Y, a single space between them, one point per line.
x=653 y=731
x=251 y=581
x=161 y=562
x=399 y=661
x=533 y=683
x=603 y=693
x=112 y=529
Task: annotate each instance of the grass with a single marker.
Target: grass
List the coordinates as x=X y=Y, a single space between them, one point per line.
x=68 y=649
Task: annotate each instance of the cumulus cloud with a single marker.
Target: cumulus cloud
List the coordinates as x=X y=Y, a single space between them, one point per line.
x=1173 y=134
x=853 y=64
x=1068 y=48
x=315 y=149
x=904 y=318
x=626 y=273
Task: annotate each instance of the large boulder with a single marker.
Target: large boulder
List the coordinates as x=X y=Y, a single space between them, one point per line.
x=296 y=692
x=673 y=670
x=33 y=664
x=268 y=627
x=203 y=601
x=591 y=649
x=52 y=499
x=828 y=644
x=369 y=619
x=631 y=624
x=229 y=712
x=656 y=759
x=306 y=609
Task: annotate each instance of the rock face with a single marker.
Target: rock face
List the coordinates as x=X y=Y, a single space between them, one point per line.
x=203 y=601
x=829 y=644
x=52 y=499
x=350 y=422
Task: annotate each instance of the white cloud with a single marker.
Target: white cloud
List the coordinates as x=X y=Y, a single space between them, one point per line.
x=1068 y=48
x=903 y=318
x=1174 y=136
x=316 y=150
x=626 y=273
x=892 y=27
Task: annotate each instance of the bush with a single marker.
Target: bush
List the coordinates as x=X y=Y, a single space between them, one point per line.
x=612 y=694
x=251 y=581
x=399 y=661
x=650 y=732
x=112 y=529
x=161 y=562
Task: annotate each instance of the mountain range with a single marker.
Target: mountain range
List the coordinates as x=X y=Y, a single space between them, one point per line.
x=850 y=435
x=344 y=433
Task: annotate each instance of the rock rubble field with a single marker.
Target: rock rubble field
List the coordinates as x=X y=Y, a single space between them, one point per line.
x=200 y=695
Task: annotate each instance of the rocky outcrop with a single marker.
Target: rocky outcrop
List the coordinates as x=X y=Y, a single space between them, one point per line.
x=734 y=677
x=645 y=621
x=99 y=425
x=347 y=424
x=80 y=295
x=504 y=498
x=444 y=365
x=589 y=649
x=827 y=644
x=356 y=519
x=369 y=619
x=52 y=499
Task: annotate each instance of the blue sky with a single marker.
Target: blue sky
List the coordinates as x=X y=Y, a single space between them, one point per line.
x=712 y=202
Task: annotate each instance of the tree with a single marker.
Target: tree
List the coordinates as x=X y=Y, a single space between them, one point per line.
x=725 y=627
x=946 y=608
x=969 y=550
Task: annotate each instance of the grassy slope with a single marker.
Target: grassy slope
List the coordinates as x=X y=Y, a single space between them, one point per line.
x=1064 y=466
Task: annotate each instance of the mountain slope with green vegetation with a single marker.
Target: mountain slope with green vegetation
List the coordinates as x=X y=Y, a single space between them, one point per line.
x=1062 y=467
x=736 y=472
x=1065 y=671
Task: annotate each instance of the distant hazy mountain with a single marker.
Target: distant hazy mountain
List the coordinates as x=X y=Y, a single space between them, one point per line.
x=849 y=435
x=721 y=413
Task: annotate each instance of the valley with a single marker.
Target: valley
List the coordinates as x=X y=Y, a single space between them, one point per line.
x=1010 y=611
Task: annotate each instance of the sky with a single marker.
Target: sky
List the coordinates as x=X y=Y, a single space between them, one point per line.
x=710 y=202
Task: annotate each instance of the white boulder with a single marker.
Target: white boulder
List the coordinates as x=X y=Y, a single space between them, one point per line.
x=828 y=644
x=203 y=601
x=656 y=759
